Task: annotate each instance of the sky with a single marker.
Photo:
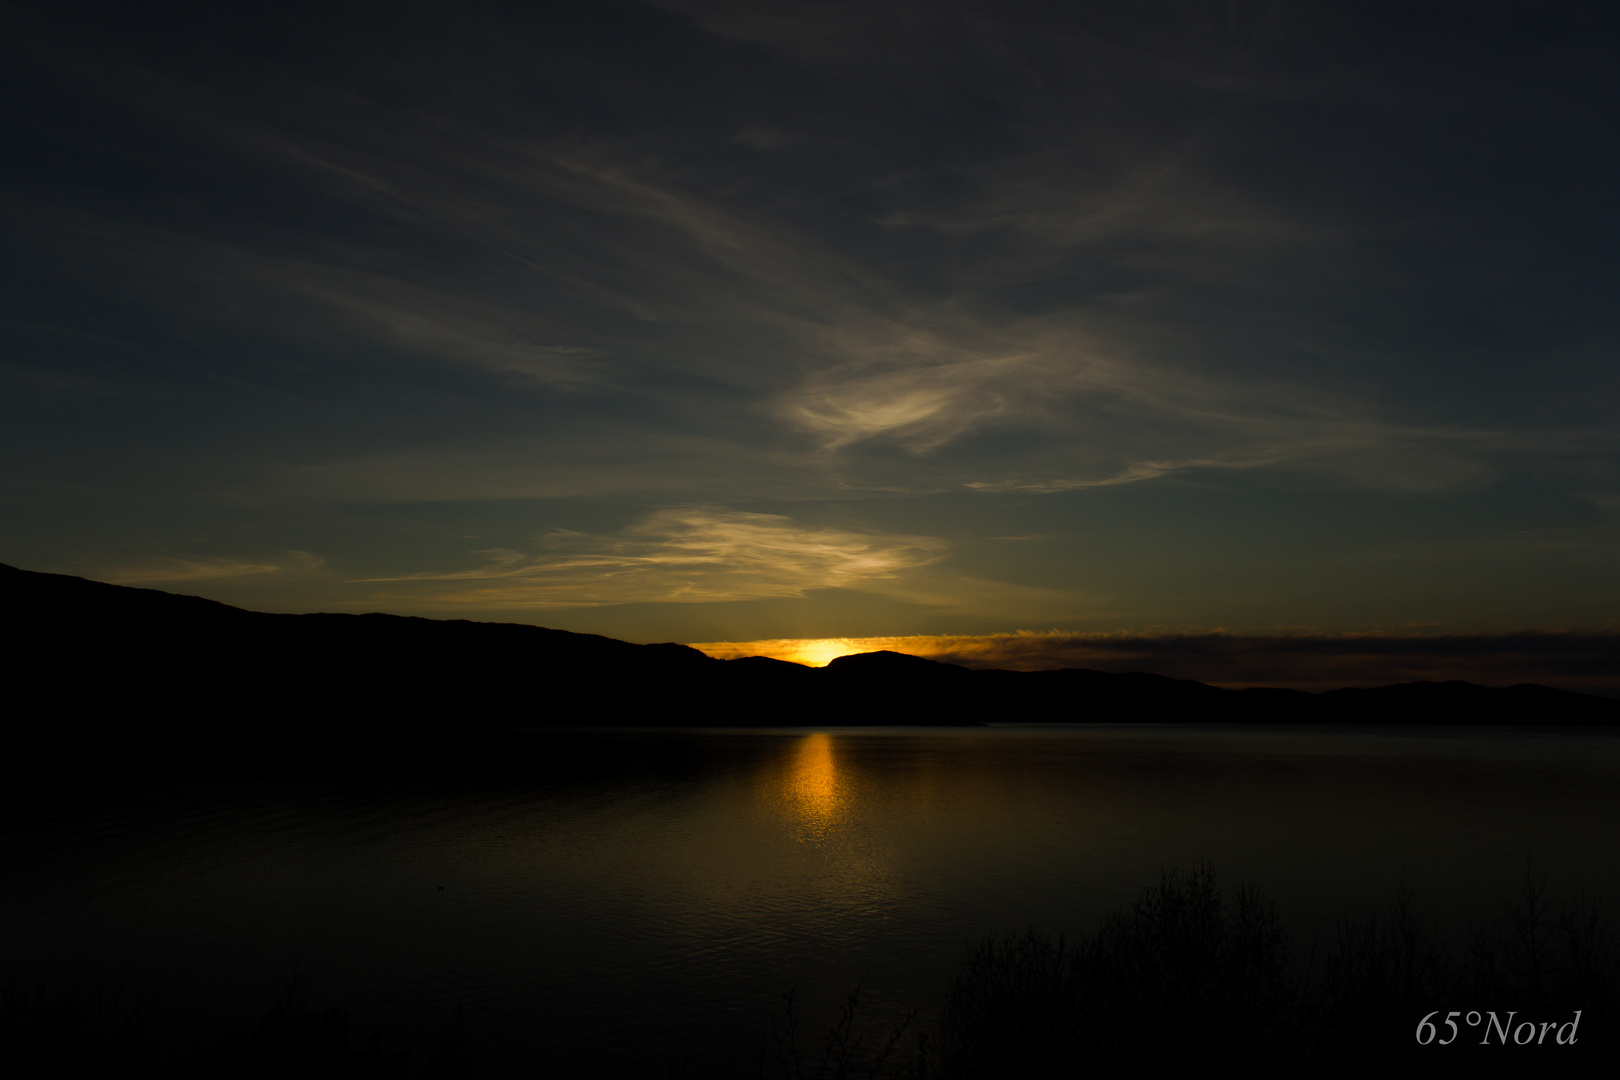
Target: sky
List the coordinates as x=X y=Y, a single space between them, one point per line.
x=724 y=322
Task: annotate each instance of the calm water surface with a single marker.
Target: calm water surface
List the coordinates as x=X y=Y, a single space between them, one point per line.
x=608 y=903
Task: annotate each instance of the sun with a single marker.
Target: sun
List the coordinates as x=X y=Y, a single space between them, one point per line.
x=812 y=652
x=819 y=652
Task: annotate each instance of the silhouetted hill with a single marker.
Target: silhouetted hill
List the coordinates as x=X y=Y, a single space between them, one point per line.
x=110 y=657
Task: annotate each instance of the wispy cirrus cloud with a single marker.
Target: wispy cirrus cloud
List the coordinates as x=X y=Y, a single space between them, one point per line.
x=912 y=388
x=180 y=570
x=693 y=555
x=1107 y=380
x=1090 y=406
x=435 y=324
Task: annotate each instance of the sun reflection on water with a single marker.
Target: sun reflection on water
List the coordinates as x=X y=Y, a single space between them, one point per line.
x=815 y=794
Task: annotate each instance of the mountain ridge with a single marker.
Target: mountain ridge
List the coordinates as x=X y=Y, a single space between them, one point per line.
x=106 y=648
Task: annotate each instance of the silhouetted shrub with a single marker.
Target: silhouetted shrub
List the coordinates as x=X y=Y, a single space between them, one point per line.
x=1186 y=976
x=293 y=1040
x=1543 y=960
x=1537 y=961
x=1183 y=973
x=1014 y=1007
x=452 y=1058
x=848 y=1050
x=1383 y=973
x=62 y=1033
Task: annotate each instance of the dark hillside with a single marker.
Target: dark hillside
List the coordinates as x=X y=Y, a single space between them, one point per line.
x=118 y=658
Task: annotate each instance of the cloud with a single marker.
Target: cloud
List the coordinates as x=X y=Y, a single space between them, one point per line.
x=1067 y=308
x=207 y=568
x=930 y=377
x=436 y=323
x=1077 y=406
x=1585 y=661
x=867 y=250
x=915 y=390
x=694 y=555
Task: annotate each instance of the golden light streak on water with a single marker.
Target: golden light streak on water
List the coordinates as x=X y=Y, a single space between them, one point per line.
x=815 y=793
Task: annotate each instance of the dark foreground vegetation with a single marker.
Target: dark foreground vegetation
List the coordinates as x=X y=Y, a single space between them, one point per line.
x=63 y=1033
x=142 y=661
x=1188 y=977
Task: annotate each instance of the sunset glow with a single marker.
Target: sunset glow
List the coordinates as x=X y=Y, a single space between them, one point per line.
x=819 y=652
x=1307 y=661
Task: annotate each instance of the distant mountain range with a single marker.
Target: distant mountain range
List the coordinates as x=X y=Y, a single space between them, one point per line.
x=113 y=657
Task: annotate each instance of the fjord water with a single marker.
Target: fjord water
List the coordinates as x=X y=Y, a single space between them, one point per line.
x=624 y=902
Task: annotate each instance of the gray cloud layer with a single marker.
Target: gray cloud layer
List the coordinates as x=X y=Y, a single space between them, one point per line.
x=1585 y=662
